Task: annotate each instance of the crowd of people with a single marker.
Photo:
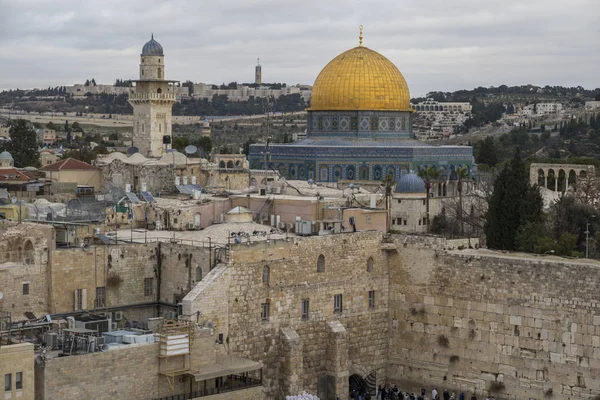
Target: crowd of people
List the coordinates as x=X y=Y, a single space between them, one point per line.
x=394 y=393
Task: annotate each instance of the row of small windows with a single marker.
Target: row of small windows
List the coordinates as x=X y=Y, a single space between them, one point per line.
x=266 y=275
x=338 y=306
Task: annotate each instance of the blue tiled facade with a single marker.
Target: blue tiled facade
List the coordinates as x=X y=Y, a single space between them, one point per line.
x=357 y=145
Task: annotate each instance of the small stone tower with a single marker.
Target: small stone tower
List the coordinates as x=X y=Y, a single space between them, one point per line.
x=258 y=73
x=152 y=100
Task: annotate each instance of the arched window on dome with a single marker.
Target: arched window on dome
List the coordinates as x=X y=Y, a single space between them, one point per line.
x=364 y=173
x=337 y=173
x=323 y=173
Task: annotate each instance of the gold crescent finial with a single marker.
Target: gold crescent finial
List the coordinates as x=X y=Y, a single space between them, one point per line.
x=360 y=37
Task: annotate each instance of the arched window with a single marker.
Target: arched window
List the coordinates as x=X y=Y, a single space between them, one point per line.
x=159 y=73
x=159 y=90
x=266 y=274
x=229 y=164
x=198 y=274
x=321 y=263
x=28 y=253
x=370 y=264
x=222 y=164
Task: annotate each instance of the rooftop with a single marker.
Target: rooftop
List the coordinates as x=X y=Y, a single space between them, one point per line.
x=68 y=164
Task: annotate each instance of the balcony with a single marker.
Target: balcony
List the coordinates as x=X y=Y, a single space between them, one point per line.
x=231 y=384
x=152 y=96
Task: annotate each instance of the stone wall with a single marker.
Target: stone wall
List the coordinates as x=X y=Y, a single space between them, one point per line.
x=18 y=358
x=524 y=326
x=232 y=295
x=24 y=278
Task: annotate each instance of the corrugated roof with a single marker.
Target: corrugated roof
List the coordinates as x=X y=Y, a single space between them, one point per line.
x=68 y=164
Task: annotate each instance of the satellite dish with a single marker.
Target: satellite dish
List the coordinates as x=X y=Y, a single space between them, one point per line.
x=132 y=150
x=191 y=149
x=13 y=199
x=1 y=295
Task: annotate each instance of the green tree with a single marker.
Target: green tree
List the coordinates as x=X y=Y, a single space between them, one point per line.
x=488 y=153
x=23 y=144
x=428 y=175
x=388 y=183
x=514 y=204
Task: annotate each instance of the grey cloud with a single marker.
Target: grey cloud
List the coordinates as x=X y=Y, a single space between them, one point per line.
x=437 y=44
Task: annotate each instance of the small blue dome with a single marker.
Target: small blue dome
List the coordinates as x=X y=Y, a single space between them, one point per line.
x=410 y=183
x=152 y=48
x=5 y=155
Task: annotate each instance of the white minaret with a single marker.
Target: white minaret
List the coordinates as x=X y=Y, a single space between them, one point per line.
x=152 y=100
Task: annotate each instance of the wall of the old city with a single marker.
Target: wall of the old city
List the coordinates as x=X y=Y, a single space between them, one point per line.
x=293 y=277
x=522 y=326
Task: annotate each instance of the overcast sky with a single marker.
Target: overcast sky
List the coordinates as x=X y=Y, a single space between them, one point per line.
x=437 y=44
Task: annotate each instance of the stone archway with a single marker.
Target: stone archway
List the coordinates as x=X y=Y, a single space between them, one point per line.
x=357 y=385
x=572 y=178
x=541 y=178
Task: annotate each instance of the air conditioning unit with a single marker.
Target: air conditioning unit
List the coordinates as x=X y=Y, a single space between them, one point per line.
x=276 y=190
x=99 y=341
x=127 y=187
x=52 y=340
x=191 y=226
x=172 y=315
x=118 y=315
x=113 y=326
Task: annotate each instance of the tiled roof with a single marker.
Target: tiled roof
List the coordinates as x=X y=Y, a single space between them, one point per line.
x=68 y=164
x=12 y=174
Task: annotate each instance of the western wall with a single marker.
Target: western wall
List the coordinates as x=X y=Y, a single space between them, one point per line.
x=512 y=325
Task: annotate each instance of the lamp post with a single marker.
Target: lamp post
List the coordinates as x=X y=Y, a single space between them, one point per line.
x=587 y=235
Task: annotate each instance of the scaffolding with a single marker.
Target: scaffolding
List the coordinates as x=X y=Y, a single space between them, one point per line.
x=176 y=339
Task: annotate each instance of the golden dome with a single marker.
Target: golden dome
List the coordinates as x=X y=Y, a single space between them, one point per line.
x=360 y=79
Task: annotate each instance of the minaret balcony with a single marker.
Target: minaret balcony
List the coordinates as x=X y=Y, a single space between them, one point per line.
x=152 y=96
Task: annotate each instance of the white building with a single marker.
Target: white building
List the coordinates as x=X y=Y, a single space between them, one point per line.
x=542 y=109
x=432 y=106
x=592 y=104
x=244 y=92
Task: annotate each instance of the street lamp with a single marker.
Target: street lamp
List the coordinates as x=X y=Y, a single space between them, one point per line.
x=587 y=234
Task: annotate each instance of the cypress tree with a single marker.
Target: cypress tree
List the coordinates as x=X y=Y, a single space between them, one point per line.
x=23 y=144
x=513 y=204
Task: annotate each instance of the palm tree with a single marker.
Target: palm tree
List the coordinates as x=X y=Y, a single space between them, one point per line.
x=428 y=175
x=462 y=174
x=388 y=183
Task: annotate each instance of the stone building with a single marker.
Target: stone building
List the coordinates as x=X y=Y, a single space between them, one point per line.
x=17 y=371
x=152 y=100
x=72 y=171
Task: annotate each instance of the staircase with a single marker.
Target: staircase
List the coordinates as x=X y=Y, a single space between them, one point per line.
x=263 y=213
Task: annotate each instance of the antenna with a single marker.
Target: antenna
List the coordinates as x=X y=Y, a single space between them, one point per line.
x=132 y=150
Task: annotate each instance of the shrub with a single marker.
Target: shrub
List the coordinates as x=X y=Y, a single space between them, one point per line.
x=443 y=341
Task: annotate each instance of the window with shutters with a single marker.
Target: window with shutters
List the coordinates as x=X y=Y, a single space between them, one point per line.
x=337 y=303
x=26 y=288
x=80 y=299
x=371 y=299
x=305 y=308
x=100 y=297
x=264 y=311
x=148 y=287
